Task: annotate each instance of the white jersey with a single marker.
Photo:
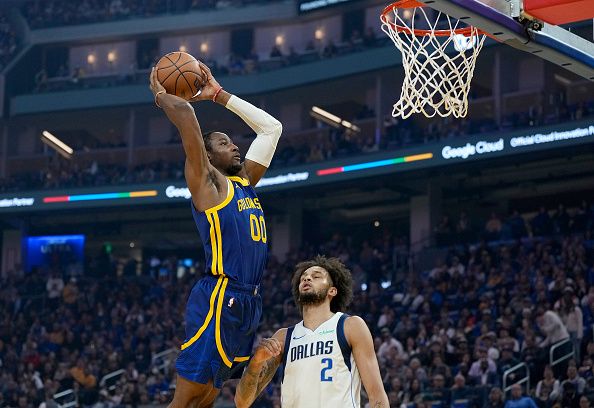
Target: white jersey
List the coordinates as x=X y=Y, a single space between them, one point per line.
x=319 y=369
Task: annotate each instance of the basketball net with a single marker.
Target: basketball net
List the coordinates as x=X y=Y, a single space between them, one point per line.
x=438 y=63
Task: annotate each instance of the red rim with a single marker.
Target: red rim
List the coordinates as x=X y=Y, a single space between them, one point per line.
x=411 y=4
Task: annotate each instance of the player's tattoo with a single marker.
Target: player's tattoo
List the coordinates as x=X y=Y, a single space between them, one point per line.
x=252 y=382
x=378 y=404
x=267 y=373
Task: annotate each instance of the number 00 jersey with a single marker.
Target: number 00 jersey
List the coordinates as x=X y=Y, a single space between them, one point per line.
x=234 y=234
x=319 y=370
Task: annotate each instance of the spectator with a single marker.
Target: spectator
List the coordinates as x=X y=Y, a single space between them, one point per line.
x=572 y=318
x=275 y=52
x=541 y=223
x=459 y=390
x=483 y=371
x=507 y=361
x=70 y=292
x=517 y=225
x=551 y=326
x=576 y=381
x=388 y=342
x=517 y=400
x=438 y=390
x=493 y=227
x=54 y=287
x=569 y=395
x=548 y=389
x=496 y=399
x=369 y=39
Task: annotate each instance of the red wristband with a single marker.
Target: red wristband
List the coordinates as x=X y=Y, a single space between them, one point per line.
x=214 y=98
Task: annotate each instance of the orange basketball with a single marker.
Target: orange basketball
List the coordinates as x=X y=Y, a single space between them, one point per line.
x=180 y=74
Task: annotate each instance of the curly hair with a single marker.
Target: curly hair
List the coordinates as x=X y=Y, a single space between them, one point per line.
x=340 y=277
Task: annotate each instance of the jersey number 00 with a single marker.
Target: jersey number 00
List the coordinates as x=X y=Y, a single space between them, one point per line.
x=258 y=228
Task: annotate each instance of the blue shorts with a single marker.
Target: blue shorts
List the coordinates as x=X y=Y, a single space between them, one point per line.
x=222 y=316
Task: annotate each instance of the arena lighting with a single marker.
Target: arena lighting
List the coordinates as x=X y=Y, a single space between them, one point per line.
x=374 y=164
x=204 y=47
x=52 y=141
x=332 y=120
x=101 y=196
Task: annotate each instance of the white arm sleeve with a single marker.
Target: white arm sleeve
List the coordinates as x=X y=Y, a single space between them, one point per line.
x=267 y=128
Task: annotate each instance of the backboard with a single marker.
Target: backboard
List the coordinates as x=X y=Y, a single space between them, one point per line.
x=531 y=26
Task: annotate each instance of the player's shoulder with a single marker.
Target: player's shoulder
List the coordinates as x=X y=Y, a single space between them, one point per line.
x=355 y=328
x=353 y=322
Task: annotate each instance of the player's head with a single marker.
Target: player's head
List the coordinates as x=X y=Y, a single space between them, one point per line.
x=222 y=152
x=323 y=280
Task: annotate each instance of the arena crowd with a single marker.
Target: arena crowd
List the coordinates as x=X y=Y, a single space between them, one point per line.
x=444 y=335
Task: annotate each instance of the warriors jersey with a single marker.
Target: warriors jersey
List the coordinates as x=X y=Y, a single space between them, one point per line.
x=234 y=234
x=319 y=370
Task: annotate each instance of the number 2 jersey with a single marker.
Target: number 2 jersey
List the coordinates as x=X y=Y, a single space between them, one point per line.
x=234 y=234
x=319 y=369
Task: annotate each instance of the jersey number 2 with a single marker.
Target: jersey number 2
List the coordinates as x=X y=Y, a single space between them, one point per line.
x=258 y=228
x=324 y=376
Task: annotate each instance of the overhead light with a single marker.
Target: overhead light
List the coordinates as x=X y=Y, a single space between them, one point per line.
x=279 y=40
x=91 y=59
x=59 y=146
x=350 y=125
x=561 y=79
x=333 y=120
x=111 y=56
x=183 y=48
x=326 y=116
x=204 y=47
x=319 y=34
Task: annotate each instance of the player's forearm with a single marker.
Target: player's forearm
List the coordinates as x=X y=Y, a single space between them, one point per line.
x=247 y=389
x=267 y=128
x=183 y=117
x=260 y=121
x=379 y=400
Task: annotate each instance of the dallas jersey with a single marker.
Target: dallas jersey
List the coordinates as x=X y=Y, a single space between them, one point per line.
x=319 y=369
x=234 y=234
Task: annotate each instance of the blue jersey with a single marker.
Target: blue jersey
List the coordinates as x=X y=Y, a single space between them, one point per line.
x=234 y=234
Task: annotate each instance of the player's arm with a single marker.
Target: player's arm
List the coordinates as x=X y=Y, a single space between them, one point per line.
x=262 y=367
x=361 y=342
x=207 y=184
x=268 y=131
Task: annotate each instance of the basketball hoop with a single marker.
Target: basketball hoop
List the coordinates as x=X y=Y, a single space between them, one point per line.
x=438 y=57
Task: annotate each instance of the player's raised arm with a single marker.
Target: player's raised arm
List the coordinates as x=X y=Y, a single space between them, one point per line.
x=359 y=337
x=206 y=183
x=262 y=367
x=268 y=131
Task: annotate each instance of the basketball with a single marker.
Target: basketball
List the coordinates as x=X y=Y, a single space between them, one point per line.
x=180 y=74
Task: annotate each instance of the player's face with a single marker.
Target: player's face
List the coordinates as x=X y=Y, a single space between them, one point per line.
x=314 y=286
x=224 y=154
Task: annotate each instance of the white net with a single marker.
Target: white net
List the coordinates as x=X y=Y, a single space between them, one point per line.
x=438 y=63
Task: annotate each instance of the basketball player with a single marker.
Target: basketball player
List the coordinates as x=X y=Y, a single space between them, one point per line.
x=326 y=355
x=224 y=308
